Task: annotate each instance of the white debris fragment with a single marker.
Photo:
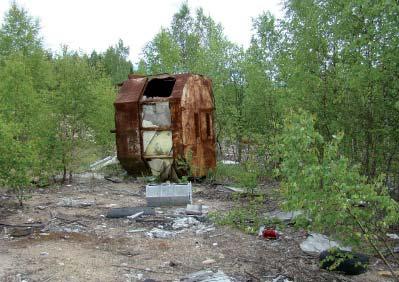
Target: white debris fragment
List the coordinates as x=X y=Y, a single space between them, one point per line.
x=281 y=278
x=285 y=216
x=184 y=222
x=204 y=229
x=160 y=233
x=136 y=230
x=208 y=261
x=234 y=189
x=72 y=203
x=228 y=162
x=135 y=215
x=207 y=276
x=193 y=209
x=104 y=162
x=317 y=243
x=393 y=236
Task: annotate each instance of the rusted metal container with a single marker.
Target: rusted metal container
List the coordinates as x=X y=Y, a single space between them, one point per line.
x=165 y=124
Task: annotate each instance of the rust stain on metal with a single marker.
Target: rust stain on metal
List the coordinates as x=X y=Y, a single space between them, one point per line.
x=191 y=106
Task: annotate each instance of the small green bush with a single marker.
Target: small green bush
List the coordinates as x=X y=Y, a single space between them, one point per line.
x=337 y=198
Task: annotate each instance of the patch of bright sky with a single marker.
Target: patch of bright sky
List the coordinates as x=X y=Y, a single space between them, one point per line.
x=97 y=24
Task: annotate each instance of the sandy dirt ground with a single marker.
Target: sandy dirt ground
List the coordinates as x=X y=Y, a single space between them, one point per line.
x=78 y=243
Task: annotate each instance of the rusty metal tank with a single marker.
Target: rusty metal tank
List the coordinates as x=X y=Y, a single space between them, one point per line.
x=165 y=125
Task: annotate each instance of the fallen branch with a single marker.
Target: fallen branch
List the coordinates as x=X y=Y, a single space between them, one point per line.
x=141 y=269
x=394 y=275
x=113 y=179
x=128 y=253
x=252 y=275
x=248 y=259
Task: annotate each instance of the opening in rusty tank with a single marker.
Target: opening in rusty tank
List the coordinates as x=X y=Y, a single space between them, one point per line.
x=159 y=87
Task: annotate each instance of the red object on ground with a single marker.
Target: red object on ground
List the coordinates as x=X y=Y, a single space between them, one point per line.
x=270 y=234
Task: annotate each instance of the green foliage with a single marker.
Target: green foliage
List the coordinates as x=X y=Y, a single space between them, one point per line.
x=263 y=107
x=240 y=175
x=20 y=136
x=17 y=160
x=44 y=102
x=247 y=218
x=161 y=54
x=336 y=260
x=320 y=180
x=83 y=100
x=195 y=43
x=337 y=60
x=19 y=32
x=114 y=62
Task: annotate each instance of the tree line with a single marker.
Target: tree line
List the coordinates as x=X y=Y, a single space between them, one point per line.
x=53 y=106
x=337 y=60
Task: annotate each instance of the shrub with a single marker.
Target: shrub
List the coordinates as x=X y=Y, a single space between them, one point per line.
x=338 y=199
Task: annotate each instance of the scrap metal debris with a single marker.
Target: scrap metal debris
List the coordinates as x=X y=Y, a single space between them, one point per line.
x=184 y=222
x=104 y=162
x=207 y=276
x=193 y=209
x=317 y=243
x=281 y=278
x=160 y=233
x=135 y=215
x=170 y=228
x=72 y=203
x=113 y=179
x=125 y=212
x=64 y=227
x=234 y=189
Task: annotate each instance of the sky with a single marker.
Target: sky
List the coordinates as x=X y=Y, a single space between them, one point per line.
x=97 y=24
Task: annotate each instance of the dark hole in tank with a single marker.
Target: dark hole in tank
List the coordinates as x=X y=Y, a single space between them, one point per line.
x=159 y=87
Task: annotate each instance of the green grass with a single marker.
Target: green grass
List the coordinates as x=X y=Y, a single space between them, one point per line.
x=239 y=175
